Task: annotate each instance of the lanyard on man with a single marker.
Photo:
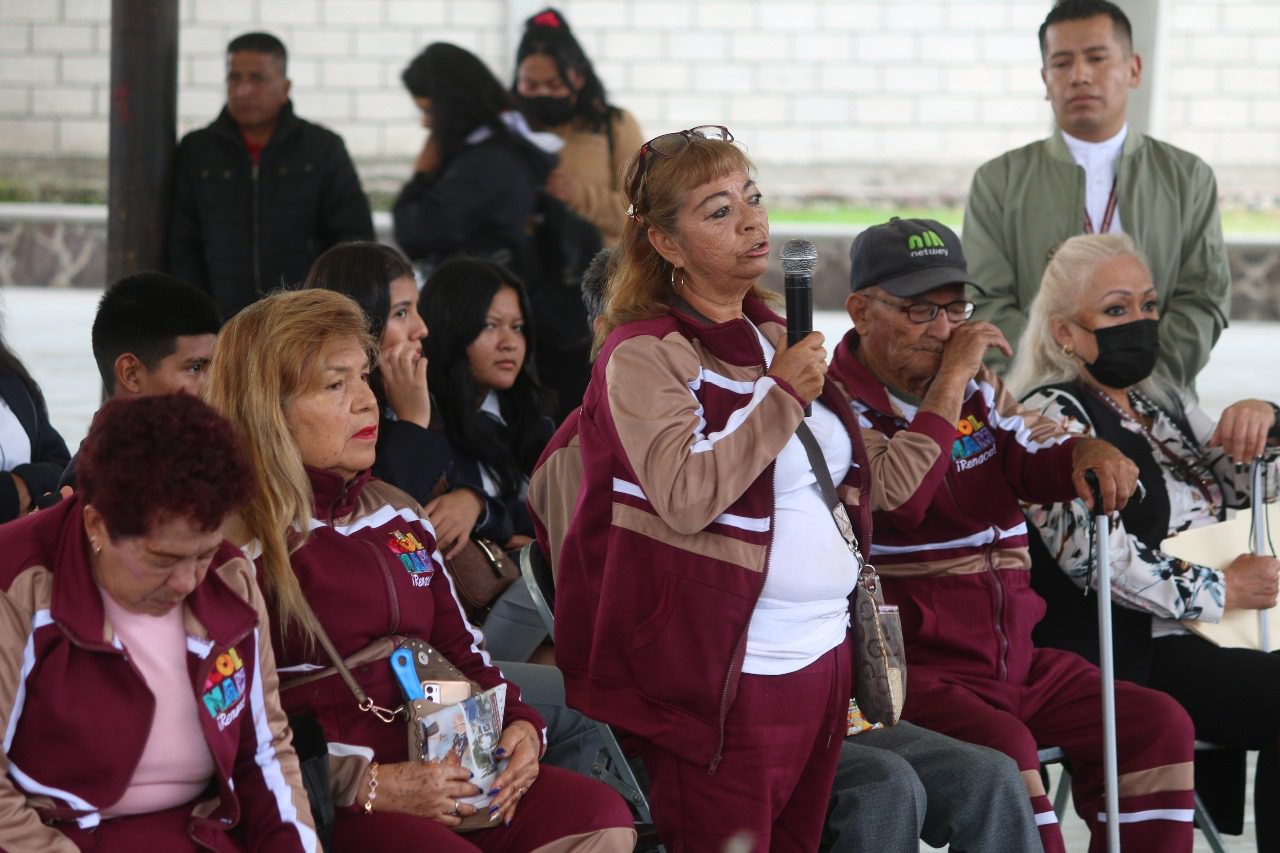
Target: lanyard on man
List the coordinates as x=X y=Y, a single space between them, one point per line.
x=1107 y=215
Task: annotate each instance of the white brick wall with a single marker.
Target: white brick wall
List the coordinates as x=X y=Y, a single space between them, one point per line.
x=831 y=83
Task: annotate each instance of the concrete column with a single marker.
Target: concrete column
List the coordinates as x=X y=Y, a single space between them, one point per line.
x=1145 y=113
x=144 y=114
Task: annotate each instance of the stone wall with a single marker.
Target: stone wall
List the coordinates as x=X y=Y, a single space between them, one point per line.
x=65 y=246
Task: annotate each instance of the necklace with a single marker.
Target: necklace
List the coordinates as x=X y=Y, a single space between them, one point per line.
x=1195 y=472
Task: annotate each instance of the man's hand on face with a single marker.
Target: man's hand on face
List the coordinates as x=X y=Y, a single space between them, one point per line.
x=962 y=355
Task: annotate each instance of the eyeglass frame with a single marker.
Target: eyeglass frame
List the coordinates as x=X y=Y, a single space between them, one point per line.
x=687 y=137
x=933 y=308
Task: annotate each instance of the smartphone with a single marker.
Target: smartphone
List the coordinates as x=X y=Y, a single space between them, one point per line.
x=446 y=692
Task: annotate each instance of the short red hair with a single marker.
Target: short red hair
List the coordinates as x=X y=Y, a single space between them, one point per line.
x=159 y=457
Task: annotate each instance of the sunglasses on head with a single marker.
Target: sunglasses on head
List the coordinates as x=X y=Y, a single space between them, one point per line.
x=670 y=145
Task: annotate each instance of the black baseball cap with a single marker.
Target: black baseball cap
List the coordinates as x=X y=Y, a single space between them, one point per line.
x=908 y=257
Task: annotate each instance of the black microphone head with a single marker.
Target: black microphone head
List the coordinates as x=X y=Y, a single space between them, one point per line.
x=798 y=257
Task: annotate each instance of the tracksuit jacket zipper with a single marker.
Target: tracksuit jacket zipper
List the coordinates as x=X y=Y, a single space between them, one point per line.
x=997 y=589
x=739 y=648
x=202 y=675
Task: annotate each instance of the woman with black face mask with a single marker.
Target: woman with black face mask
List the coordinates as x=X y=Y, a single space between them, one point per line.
x=557 y=90
x=1088 y=352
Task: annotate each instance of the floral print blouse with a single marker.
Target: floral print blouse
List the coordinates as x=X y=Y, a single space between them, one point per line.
x=1145 y=578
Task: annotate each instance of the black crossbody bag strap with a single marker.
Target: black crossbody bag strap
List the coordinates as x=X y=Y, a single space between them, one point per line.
x=838 y=513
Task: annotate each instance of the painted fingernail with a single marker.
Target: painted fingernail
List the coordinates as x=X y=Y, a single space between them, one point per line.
x=493 y=809
x=494 y=792
x=500 y=752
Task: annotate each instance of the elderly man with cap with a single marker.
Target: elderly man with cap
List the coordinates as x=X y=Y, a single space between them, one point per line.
x=952 y=454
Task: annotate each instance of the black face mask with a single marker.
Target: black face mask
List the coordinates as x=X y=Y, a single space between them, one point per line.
x=1126 y=353
x=548 y=112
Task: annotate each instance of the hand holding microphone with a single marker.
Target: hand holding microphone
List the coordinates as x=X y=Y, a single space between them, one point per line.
x=808 y=362
x=802 y=363
x=803 y=367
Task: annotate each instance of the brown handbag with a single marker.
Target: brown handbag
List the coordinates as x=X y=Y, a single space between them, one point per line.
x=481 y=571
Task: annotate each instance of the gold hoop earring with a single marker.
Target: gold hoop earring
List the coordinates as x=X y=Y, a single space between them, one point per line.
x=675 y=286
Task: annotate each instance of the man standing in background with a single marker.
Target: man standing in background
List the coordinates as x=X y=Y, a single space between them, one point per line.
x=1095 y=175
x=259 y=193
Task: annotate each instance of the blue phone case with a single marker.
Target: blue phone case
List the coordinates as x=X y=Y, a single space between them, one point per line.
x=406 y=674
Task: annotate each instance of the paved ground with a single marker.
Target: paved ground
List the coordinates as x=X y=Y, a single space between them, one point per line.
x=49 y=329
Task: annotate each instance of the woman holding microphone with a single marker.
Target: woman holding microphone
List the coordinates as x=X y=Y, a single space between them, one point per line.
x=703 y=587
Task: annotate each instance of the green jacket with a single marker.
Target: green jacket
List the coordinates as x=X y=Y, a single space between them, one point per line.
x=1026 y=201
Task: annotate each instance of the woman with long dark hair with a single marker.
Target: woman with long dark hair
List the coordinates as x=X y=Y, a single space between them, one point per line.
x=557 y=89
x=32 y=453
x=495 y=414
x=476 y=179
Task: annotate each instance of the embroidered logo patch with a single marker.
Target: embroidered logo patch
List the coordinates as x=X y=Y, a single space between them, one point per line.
x=974 y=444
x=224 y=689
x=415 y=558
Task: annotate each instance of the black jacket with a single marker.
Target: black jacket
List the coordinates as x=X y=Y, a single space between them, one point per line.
x=1071 y=616
x=479 y=204
x=414 y=460
x=239 y=231
x=48 y=451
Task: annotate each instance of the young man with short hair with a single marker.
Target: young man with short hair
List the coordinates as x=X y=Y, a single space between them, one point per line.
x=153 y=334
x=259 y=194
x=1095 y=175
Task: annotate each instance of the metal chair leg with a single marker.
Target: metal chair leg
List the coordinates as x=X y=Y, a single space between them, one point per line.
x=1063 y=793
x=623 y=778
x=1208 y=828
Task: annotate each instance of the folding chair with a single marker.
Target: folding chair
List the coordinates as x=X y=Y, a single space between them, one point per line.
x=613 y=769
x=1055 y=755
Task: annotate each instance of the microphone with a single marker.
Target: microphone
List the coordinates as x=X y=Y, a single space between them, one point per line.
x=799 y=257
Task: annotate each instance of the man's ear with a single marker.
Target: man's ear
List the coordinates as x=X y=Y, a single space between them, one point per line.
x=666 y=246
x=1135 y=71
x=129 y=371
x=856 y=305
x=288 y=85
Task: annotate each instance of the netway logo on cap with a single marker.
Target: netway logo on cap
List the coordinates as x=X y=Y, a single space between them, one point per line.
x=907 y=257
x=926 y=243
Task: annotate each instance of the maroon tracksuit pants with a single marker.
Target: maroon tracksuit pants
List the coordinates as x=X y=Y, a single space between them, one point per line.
x=1059 y=703
x=782 y=740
